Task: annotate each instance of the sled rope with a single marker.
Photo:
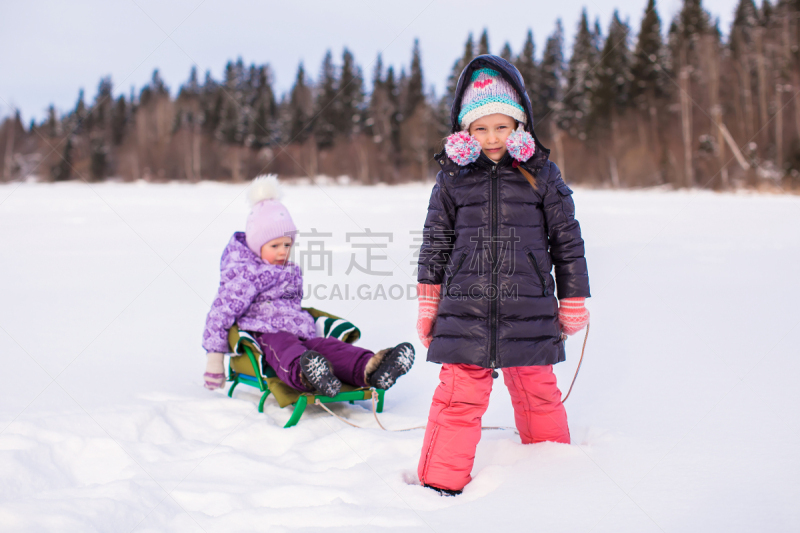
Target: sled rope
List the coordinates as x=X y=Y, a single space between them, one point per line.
x=317 y=402
x=375 y=414
x=375 y=400
x=583 y=350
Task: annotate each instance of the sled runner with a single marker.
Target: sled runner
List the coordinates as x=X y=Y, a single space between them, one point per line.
x=248 y=367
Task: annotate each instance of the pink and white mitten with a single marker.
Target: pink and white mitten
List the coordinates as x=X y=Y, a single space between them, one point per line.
x=573 y=315
x=429 y=296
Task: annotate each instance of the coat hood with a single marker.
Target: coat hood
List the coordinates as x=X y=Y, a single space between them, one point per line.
x=238 y=255
x=513 y=76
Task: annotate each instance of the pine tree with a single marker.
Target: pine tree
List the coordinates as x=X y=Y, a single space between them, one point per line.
x=351 y=97
x=483 y=43
x=234 y=117
x=402 y=89
x=690 y=24
x=743 y=51
x=232 y=125
x=211 y=101
x=649 y=62
x=597 y=37
x=414 y=95
x=458 y=66
x=300 y=108
x=506 y=53
x=188 y=125
x=192 y=86
x=382 y=122
x=78 y=114
x=552 y=74
x=154 y=89
x=263 y=129
x=686 y=32
x=248 y=102
x=377 y=73
x=580 y=81
x=98 y=159
x=188 y=102
x=80 y=106
x=396 y=117
x=53 y=126
x=326 y=104
x=63 y=169
x=100 y=113
x=415 y=117
x=119 y=120
x=378 y=121
x=766 y=14
x=526 y=64
x=650 y=84
x=612 y=93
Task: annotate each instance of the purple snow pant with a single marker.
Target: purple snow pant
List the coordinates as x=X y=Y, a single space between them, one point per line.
x=282 y=352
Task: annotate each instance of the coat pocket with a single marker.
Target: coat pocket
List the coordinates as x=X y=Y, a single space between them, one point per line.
x=460 y=261
x=535 y=264
x=565 y=194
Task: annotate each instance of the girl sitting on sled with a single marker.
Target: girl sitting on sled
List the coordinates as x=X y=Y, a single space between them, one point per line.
x=261 y=291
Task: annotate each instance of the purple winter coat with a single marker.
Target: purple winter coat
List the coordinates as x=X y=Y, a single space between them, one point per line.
x=257 y=296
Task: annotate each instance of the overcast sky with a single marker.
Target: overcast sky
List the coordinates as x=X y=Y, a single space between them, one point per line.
x=51 y=49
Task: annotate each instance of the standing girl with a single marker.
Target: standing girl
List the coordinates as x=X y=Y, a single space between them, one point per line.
x=500 y=218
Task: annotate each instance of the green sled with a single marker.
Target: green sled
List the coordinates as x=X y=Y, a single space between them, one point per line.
x=246 y=368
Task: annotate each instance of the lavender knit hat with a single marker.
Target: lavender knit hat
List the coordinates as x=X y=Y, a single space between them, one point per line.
x=488 y=93
x=268 y=219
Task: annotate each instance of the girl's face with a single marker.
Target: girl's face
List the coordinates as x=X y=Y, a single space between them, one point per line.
x=276 y=251
x=492 y=132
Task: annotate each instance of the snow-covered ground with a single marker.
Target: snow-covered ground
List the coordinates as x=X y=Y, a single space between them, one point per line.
x=684 y=416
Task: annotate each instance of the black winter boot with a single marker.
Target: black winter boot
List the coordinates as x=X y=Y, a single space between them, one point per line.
x=396 y=362
x=443 y=492
x=318 y=373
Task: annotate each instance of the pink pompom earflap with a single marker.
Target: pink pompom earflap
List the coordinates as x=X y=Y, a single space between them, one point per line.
x=463 y=149
x=520 y=144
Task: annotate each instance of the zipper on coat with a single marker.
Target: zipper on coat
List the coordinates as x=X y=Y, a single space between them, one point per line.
x=538 y=272
x=458 y=267
x=493 y=306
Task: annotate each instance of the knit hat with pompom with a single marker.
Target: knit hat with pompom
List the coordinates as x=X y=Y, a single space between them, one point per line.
x=268 y=219
x=488 y=93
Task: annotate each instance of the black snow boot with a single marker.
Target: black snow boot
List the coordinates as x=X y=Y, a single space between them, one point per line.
x=318 y=373
x=396 y=362
x=443 y=492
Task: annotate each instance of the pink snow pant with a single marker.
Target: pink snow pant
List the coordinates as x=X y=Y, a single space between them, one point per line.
x=454 y=423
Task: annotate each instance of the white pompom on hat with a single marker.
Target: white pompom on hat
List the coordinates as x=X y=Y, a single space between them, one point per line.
x=269 y=218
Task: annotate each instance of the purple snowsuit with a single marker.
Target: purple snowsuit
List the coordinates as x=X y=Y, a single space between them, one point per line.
x=265 y=300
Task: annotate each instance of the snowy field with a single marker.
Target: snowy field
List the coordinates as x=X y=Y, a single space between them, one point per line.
x=684 y=416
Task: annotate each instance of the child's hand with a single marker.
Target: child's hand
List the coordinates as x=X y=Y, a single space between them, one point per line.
x=429 y=296
x=215 y=371
x=573 y=315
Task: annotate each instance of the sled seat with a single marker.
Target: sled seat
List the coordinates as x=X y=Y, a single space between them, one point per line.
x=247 y=366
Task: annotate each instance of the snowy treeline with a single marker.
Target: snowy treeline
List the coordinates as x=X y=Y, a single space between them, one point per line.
x=684 y=105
